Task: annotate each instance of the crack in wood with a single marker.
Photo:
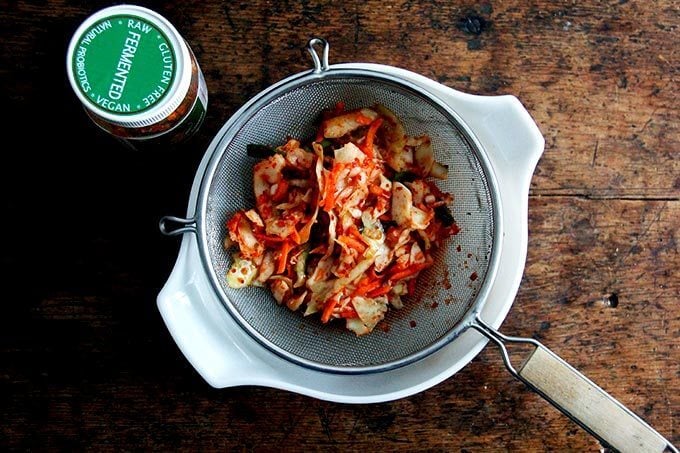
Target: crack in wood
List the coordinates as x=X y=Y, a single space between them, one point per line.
x=593 y=197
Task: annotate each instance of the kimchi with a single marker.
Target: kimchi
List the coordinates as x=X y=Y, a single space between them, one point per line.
x=343 y=225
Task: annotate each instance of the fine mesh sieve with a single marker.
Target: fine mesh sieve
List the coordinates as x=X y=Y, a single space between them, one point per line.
x=445 y=293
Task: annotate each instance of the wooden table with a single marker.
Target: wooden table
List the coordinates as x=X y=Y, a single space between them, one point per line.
x=85 y=360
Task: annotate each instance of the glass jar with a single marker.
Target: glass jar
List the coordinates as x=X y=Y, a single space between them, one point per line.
x=136 y=76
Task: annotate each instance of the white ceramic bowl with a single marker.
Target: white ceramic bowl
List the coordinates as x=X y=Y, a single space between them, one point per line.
x=226 y=356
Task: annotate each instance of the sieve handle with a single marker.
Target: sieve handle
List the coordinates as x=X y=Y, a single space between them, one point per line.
x=579 y=398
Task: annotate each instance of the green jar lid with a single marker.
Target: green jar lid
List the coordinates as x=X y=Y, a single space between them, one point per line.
x=129 y=65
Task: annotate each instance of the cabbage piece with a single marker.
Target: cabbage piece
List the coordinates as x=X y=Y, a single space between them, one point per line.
x=266 y=268
x=403 y=211
x=439 y=171
x=254 y=217
x=319 y=292
x=394 y=136
x=242 y=272
x=357 y=326
x=242 y=233
x=420 y=219
x=348 y=154
x=343 y=124
x=266 y=173
x=301 y=267
x=374 y=236
x=275 y=226
x=424 y=154
x=294 y=302
x=281 y=288
x=402 y=204
x=370 y=312
x=318 y=167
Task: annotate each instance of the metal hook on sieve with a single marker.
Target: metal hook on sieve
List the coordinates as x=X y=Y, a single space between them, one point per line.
x=188 y=225
x=320 y=65
x=501 y=340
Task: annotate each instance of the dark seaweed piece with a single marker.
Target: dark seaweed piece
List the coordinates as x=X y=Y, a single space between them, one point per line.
x=405 y=176
x=443 y=214
x=260 y=151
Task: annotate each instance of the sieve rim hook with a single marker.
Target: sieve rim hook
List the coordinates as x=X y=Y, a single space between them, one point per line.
x=320 y=64
x=185 y=225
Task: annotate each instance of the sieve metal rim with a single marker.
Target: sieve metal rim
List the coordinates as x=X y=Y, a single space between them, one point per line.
x=264 y=98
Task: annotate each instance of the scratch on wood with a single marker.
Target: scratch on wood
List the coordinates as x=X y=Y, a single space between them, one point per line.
x=644 y=126
x=667 y=402
x=357 y=27
x=660 y=376
x=351 y=431
x=290 y=427
x=644 y=233
x=662 y=58
x=326 y=422
x=227 y=13
x=597 y=145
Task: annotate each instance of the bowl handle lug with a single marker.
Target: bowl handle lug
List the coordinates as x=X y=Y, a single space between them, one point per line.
x=207 y=336
x=510 y=135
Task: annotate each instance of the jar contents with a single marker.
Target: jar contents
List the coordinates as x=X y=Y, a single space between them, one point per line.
x=136 y=76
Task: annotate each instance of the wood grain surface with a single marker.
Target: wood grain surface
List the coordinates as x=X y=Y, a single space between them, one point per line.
x=85 y=360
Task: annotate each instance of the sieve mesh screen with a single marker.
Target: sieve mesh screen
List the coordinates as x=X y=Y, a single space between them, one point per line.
x=445 y=292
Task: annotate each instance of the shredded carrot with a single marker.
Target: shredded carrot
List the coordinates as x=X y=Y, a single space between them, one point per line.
x=365 y=279
x=283 y=257
x=352 y=242
x=367 y=287
x=354 y=232
x=329 y=190
x=303 y=234
x=281 y=191
x=362 y=119
x=295 y=236
x=375 y=190
x=363 y=282
x=379 y=291
x=232 y=224
x=265 y=238
x=408 y=272
x=348 y=312
x=328 y=309
x=367 y=148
